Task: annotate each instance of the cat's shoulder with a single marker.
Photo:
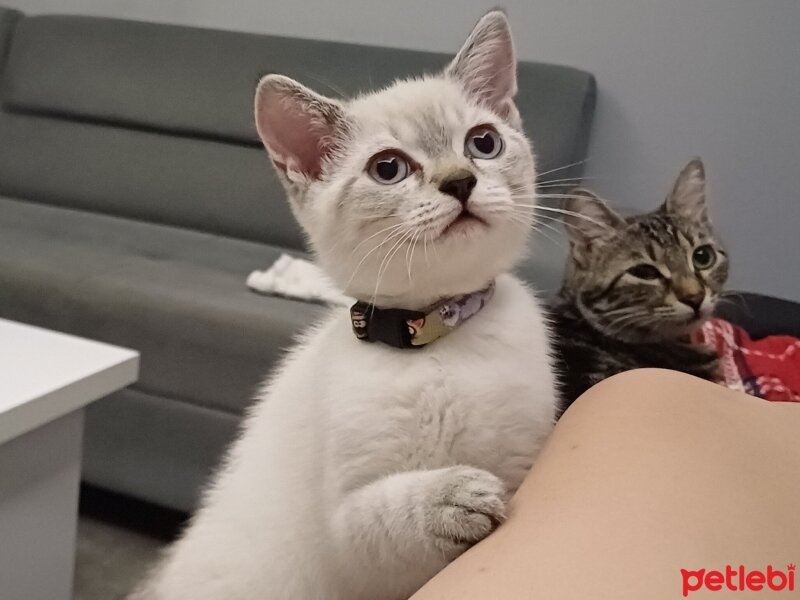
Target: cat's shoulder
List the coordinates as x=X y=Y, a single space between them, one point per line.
x=514 y=293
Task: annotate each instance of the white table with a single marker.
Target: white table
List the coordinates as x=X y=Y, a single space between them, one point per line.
x=46 y=379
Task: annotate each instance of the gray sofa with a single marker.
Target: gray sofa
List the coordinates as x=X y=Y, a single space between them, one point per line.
x=135 y=199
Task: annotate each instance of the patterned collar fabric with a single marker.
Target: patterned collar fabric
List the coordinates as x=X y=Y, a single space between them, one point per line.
x=403 y=328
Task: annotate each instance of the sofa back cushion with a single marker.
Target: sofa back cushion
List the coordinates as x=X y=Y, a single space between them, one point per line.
x=154 y=122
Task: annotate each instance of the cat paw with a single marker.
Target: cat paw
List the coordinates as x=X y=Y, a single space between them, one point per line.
x=466 y=506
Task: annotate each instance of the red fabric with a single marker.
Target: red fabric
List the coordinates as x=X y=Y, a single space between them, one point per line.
x=768 y=368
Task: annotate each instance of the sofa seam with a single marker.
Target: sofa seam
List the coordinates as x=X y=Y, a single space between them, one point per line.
x=588 y=109
x=8 y=24
x=157 y=395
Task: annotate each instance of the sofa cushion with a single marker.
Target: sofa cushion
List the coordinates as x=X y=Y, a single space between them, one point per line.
x=171 y=180
x=177 y=296
x=155 y=122
x=154 y=448
x=8 y=21
x=200 y=82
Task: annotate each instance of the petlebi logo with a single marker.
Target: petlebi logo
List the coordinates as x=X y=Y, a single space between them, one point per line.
x=739 y=579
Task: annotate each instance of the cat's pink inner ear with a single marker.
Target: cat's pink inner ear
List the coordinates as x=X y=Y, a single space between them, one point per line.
x=486 y=65
x=298 y=127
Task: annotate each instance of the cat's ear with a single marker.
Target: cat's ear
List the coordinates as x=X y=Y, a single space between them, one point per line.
x=688 y=195
x=486 y=65
x=588 y=218
x=299 y=127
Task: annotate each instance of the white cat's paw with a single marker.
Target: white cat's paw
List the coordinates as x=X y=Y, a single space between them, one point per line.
x=466 y=506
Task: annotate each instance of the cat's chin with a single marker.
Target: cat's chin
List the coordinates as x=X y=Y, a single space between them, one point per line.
x=680 y=330
x=429 y=285
x=463 y=225
x=467 y=253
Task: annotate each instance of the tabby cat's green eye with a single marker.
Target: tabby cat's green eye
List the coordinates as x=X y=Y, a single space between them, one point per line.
x=704 y=257
x=644 y=271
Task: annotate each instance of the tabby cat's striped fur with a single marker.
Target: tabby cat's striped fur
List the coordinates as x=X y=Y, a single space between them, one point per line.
x=635 y=288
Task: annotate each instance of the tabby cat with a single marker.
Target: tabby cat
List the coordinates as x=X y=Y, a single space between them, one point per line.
x=636 y=288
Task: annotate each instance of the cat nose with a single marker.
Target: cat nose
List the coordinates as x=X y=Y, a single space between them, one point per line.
x=459 y=186
x=693 y=301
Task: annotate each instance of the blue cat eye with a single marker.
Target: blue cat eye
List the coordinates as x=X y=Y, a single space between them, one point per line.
x=704 y=257
x=483 y=142
x=389 y=167
x=646 y=272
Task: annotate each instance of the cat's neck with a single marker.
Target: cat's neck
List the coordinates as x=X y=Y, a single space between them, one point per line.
x=411 y=302
x=417 y=300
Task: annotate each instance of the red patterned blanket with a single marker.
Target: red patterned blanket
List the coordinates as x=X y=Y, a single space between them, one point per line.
x=768 y=368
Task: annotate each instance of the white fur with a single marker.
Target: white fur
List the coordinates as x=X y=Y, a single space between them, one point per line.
x=364 y=469
x=335 y=489
x=297 y=279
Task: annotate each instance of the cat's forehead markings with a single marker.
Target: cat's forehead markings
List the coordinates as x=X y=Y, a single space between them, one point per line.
x=687 y=240
x=659 y=230
x=419 y=114
x=394 y=131
x=678 y=260
x=458 y=113
x=430 y=134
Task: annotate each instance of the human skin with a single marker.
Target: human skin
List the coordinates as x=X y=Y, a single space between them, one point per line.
x=648 y=473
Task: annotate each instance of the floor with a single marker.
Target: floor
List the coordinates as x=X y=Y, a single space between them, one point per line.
x=118 y=541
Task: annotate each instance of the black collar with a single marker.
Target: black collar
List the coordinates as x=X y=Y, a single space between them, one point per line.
x=404 y=328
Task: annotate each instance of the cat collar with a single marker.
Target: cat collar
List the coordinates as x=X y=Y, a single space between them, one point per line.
x=404 y=328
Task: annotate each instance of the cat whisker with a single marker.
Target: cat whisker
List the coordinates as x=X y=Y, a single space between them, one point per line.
x=435 y=251
x=553 y=186
x=558 y=196
x=656 y=319
x=386 y=257
x=728 y=298
x=533 y=220
x=377 y=233
x=389 y=237
x=533 y=195
x=413 y=249
x=528 y=193
x=420 y=236
x=628 y=314
x=636 y=313
x=374 y=218
x=387 y=260
x=367 y=220
x=575 y=164
x=728 y=301
x=549 y=238
x=616 y=311
x=405 y=240
x=557 y=220
x=563 y=211
x=636 y=317
x=556 y=241
x=410 y=252
x=564 y=180
x=521 y=220
x=374 y=235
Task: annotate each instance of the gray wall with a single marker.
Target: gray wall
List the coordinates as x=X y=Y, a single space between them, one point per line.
x=717 y=78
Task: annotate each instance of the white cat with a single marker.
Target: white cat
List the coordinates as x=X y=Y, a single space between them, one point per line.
x=364 y=469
